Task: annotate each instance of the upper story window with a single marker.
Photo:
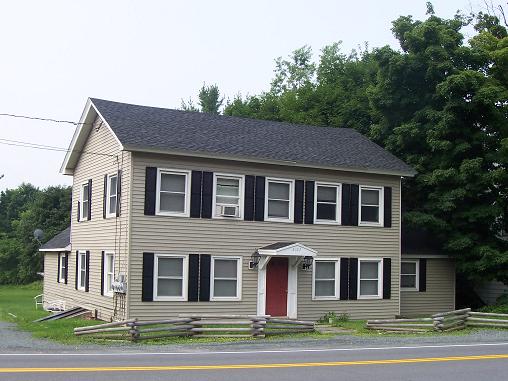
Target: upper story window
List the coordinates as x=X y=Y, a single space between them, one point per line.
x=228 y=195
x=371 y=205
x=84 y=199
x=226 y=278
x=327 y=200
x=111 y=195
x=170 y=277
x=409 y=275
x=326 y=279
x=82 y=270
x=109 y=273
x=173 y=192
x=369 y=278
x=62 y=267
x=279 y=200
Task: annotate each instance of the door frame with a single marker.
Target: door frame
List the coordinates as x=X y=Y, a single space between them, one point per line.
x=292 y=296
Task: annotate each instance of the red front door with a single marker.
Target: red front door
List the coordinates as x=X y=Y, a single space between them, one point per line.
x=277 y=287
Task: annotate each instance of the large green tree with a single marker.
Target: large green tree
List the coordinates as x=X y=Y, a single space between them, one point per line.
x=22 y=210
x=439 y=102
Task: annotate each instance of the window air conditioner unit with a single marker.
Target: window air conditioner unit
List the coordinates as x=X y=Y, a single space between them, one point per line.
x=229 y=211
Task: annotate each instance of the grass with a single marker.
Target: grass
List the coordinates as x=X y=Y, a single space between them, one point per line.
x=17 y=306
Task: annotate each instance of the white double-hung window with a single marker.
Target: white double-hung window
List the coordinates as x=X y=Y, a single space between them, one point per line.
x=279 y=200
x=371 y=206
x=109 y=273
x=409 y=270
x=370 y=277
x=228 y=196
x=82 y=273
x=111 y=195
x=170 y=277
x=173 y=192
x=325 y=278
x=226 y=278
x=327 y=203
x=84 y=197
x=63 y=267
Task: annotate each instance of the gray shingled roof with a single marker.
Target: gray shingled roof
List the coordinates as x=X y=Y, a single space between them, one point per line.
x=277 y=245
x=60 y=241
x=144 y=128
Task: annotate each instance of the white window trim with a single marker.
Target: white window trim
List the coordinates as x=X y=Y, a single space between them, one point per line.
x=379 y=281
x=381 y=206
x=81 y=203
x=238 y=296
x=186 y=212
x=105 y=274
x=108 y=195
x=61 y=274
x=338 y=210
x=337 y=279
x=241 y=195
x=417 y=282
x=291 y=183
x=185 y=279
x=81 y=253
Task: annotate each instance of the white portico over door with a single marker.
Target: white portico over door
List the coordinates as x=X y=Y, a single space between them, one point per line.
x=277 y=290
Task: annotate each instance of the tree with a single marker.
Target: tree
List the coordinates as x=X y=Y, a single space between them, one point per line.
x=29 y=208
x=210 y=100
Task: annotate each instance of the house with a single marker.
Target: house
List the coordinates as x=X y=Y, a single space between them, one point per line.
x=182 y=212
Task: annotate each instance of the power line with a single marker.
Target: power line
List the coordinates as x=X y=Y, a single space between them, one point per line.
x=40 y=118
x=18 y=143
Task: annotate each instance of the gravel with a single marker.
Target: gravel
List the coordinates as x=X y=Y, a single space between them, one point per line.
x=15 y=341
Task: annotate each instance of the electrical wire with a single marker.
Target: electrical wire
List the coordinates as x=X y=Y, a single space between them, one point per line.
x=40 y=118
x=18 y=143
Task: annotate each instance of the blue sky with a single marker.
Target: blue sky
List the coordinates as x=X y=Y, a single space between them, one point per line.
x=55 y=54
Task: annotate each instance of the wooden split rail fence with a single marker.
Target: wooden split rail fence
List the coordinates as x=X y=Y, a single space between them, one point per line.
x=240 y=326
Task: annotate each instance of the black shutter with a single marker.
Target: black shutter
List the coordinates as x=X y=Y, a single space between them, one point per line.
x=105 y=196
x=346 y=205
x=193 y=284
x=388 y=207
x=344 y=281
x=248 y=212
x=79 y=211
x=422 y=284
x=147 y=286
x=299 y=192
x=206 y=208
x=354 y=204
x=89 y=199
x=195 y=201
x=204 y=278
x=87 y=280
x=77 y=263
x=259 y=214
x=309 y=202
x=102 y=273
x=150 y=190
x=119 y=193
x=353 y=278
x=66 y=266
x=387 y=278
x=58 y=269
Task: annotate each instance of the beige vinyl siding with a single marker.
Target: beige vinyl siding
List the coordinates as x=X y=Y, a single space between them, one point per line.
x=52 y=289
x=440 y=293
x=178 y=235
x=102 y=156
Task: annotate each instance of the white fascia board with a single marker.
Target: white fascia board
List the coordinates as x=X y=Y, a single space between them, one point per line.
x=61 y=249
x=431 y=256
x=81 y=133
x=294 y=250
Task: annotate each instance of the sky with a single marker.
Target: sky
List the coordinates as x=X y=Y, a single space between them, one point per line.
x=56 y=54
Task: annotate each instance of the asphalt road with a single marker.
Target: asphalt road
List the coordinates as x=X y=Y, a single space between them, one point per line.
x=431 y=362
